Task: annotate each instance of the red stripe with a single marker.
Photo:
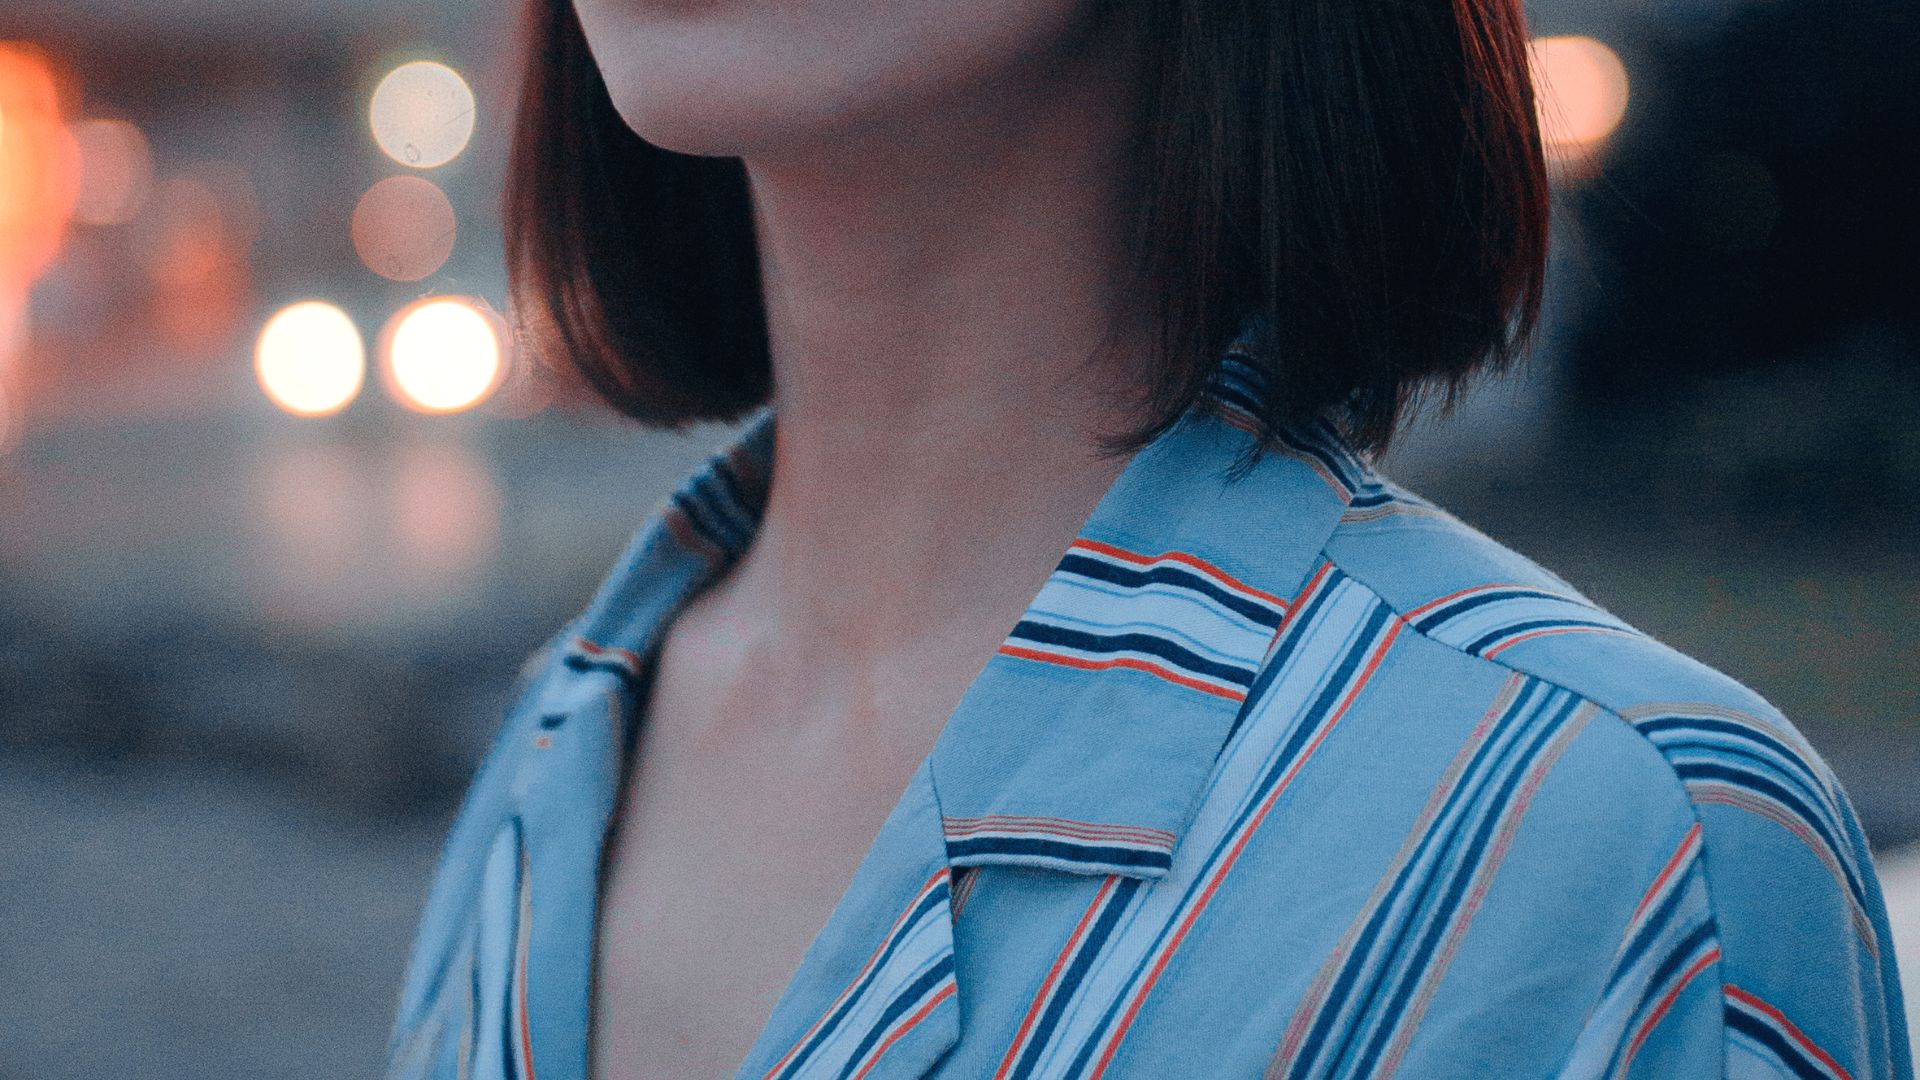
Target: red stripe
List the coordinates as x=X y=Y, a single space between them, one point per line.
x=946 y=992
x=1666 y=1002
x=1233 y=854
x=1182 y=557
x=1230 y=693
x=1679 y=853
x=690 y=538
x=1673 y=861
x=622 y=655
x=1780 y=1018
x=1053 y=977
x=520 y=962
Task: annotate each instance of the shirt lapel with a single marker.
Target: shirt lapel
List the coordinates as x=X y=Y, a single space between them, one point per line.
x=875 y=994
x=1083 y=746
x=1086 y=741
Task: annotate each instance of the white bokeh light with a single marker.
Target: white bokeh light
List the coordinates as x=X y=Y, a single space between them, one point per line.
x=443 y=355
x=310 y=360
x=422 y=114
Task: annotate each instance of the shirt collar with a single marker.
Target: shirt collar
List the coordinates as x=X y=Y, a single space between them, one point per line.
x=1086 y=740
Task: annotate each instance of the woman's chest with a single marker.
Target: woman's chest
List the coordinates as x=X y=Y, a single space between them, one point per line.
x=728 y=858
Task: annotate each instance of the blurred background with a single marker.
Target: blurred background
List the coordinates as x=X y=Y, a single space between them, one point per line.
x=281 y=512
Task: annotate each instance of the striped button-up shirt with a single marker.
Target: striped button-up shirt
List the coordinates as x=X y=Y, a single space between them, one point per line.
x=1283 y=773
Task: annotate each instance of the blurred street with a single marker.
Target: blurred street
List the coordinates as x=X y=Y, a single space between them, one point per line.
x=282 y=509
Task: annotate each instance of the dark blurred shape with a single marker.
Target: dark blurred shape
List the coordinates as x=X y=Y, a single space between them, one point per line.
x=1751 y=339
x=1760 y=202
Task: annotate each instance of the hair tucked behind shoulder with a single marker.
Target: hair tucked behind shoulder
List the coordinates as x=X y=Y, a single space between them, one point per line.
x=1365 y=175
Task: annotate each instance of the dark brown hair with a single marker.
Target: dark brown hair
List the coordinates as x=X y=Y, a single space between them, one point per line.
x=1365 y=175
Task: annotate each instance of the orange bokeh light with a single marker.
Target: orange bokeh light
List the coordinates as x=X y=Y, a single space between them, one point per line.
x=39 y=166
x=403 y=228
x=116 y=171
x=1580 y=90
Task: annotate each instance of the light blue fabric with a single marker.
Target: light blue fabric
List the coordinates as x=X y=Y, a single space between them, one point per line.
x=1289 y=775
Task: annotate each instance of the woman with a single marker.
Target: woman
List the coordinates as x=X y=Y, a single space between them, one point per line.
x=1081 y=318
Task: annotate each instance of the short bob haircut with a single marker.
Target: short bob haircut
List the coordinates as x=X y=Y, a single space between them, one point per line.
x=1366 y=175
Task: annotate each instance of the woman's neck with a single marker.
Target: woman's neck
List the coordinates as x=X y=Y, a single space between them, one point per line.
x=937 y=302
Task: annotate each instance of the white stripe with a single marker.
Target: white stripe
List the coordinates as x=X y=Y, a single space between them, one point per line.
x=1498 y=615
x=1230 y=792
x=499 y=899
x=1108 y=656
x=922 y=945
x=1186 y=568
x=1185 y=613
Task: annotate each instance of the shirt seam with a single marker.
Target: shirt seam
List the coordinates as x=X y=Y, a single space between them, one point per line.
x=1671 y=775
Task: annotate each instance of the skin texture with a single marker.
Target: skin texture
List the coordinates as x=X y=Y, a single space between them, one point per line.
x=939 y=190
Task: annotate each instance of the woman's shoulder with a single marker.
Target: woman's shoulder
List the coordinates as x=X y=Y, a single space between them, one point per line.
x=1747 y=857
x=1453 y=585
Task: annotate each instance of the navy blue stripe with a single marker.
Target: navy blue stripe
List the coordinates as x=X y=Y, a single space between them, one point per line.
x=1755 y=782
x=1238 y=396
x=987 y=846
x=1131 y=642
x=1681 y=954
x=1171 y=574
x=1764 y=1033
x=1485 y=760
x=1341 y=470
x=934 y=897
x=1117 y=903
x=511 y=1066
x=1538 y=624
x=914 y=994
x=715 y=494
x=1450 y=832
x=698 y=515
x=1303 y=618
x=470 y=1021
x=1789 y=757
x=748 y=503
x=1650 y=930
x=1434 y=618
x=1465 y=869
x=1762 y=764
x=1340 y=680
x=1336 y=444
x=577 y=662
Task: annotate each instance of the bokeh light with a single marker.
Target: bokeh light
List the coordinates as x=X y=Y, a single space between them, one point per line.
x=234 y=196
x=422 y=114
x=193 y=240
x=444 y=354
x=9 y=424
x=188 y=238
x=39 y=167
x=446 y=510
x=116 y=171
x=403 y=228
x=310 y=359
x=1580 y=89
